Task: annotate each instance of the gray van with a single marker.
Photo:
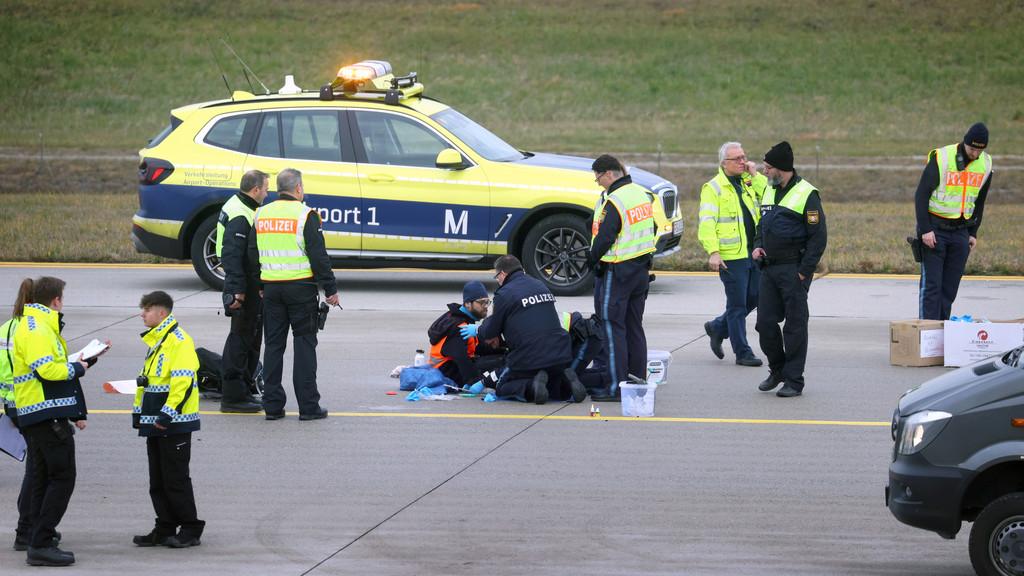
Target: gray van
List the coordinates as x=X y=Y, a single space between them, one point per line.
x=959 y=455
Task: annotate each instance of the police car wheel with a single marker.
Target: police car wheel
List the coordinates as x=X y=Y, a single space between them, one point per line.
x=997 y=537
x=556 y=250
x=204 y=253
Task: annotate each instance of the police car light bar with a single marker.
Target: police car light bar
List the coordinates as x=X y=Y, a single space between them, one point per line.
x=365 y=70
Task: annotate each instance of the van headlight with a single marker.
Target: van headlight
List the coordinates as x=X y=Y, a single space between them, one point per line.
x=921 y=428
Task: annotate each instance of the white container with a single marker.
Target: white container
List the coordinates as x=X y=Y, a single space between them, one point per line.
x=419 y=359
x=657 y=366
x=638 y=399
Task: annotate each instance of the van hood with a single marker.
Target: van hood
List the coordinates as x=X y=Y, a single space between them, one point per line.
x=642 y=177
x=966 y=388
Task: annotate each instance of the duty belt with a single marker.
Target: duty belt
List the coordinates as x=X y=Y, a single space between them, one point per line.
x=946 y=224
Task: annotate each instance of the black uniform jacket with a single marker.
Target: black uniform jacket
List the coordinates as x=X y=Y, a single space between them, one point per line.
x=789 y=237
x=240 y=261
x=524 y=312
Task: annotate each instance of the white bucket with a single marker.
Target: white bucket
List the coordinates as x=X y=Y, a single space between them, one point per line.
x=657 y=366
x=638 y=399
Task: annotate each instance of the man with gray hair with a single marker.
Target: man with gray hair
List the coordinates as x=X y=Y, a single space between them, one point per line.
x=729 y=212
x=293 y=263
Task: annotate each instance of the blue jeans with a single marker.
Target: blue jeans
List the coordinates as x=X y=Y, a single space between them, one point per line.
x=741 y=282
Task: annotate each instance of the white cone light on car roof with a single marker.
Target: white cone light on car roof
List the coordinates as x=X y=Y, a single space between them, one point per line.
x=289 y=86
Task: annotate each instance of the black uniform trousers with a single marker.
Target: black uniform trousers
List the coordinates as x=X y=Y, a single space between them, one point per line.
x=620 y=296
x=783 y=297
x=941 y=270
x=170 y=486
x=24 y=529
x=51 y=451
x=242 y=349
x=516 y=384
x=290 y=304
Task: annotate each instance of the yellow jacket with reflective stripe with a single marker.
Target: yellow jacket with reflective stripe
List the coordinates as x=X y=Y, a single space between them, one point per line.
x=231 y=209
x=721 y=228
x=45 y=383
x=637 y=235
x=957 y=190
x=171 y=395
x=279 y=238
x=7 y=362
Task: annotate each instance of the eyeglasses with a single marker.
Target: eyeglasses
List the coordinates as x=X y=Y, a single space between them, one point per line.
x=496 y=274
x=737 y=159
x=597 y=175
x=483 y=301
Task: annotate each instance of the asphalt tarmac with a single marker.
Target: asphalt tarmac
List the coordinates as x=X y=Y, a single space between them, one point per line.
x=725 y=479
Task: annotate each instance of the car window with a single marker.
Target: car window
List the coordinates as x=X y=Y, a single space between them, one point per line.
x=268 y=143
x=397 y=140
x=230 y=132
x=480 y=139
x=311 y=135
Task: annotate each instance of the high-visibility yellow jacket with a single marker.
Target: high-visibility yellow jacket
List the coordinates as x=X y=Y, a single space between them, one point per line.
x=46 y=385
x=958 y=189
x=637 y=235
x=281 y=243
x=171 y=393
x=721 y=228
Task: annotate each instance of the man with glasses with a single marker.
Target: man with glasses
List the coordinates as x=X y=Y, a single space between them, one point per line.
x=464 y=361
x=729 y=211
x=539 y=350
x=949 y=202
x=788 y=242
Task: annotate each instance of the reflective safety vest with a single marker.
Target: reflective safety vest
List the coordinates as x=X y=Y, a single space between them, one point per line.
x=232 y=209
x=795 y=199
x=957 y=190
x=45 y=385
x=438 y=359
x=721 y=227
x=637 y=236
x=279 y=237
x=171 y=393
x=7 y=362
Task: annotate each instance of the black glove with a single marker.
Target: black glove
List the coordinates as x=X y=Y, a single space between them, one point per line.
x=91 y=361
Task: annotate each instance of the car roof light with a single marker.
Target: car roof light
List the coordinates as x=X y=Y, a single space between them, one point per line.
x=365 y=70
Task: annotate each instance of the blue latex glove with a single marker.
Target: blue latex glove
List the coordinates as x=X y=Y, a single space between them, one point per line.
x=413 y=396
x=490 y=397
x=476 y=388
x=469 y=331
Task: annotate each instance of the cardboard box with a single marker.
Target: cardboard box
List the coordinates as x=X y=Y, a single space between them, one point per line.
x=915 y=343
x=968 y=342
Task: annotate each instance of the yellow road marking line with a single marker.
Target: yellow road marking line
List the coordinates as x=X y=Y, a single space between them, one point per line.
x=470 y=416
x=99 y=265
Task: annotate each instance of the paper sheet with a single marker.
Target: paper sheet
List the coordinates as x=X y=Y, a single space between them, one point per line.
x=91 y=350
x=11 y=440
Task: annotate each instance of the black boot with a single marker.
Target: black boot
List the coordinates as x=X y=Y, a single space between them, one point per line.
x=540 y=387
x=154 y=538
x=49 y=556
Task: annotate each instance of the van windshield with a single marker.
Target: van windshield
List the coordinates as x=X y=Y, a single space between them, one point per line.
x=482 y=140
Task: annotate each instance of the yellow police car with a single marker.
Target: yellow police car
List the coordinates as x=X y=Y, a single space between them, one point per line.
x=399 y=179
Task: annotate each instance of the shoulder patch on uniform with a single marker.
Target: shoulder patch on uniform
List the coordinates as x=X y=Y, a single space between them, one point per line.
x=813 y=217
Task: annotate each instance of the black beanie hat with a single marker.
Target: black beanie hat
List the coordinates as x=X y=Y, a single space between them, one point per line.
x=473 y=290
x=977 y=136
x=780 y=156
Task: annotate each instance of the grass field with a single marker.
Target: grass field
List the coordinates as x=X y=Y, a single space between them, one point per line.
x=862 y=237
x=855 y=78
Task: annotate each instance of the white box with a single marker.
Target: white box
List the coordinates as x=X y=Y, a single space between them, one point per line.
x=658 y=362
x=638 y=399
x=968 y=342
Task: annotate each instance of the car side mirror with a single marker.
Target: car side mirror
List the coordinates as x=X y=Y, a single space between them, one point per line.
x=449 y=159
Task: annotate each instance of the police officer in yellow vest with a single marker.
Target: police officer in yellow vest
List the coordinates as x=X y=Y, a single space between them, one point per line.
x=789 y=241
x=623 y=241
x=49 y=398
x=949 y=203
x=730 y=207
x=166 y=413
x=293 y=264
x=242 y=300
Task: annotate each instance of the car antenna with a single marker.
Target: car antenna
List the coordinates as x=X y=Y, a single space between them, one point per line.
x=245 y=67
x=223 y=76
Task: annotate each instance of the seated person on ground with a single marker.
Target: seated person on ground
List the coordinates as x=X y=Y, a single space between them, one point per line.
x=464 y=360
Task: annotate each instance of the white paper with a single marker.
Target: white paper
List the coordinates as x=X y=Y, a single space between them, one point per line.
x=120 y=387
x=931 y=343
x=11 y=440
x=91 y=350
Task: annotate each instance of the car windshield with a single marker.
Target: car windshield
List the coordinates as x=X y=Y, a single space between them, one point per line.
x=482 y=140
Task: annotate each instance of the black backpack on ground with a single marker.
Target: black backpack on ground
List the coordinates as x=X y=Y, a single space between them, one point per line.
x=210 y=379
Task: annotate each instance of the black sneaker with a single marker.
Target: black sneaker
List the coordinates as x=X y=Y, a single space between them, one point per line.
x=788 y=391
x=320 y=415
x=579 y=391
x=243 y=407
x=716 y=341
x=49 y=556
x=749 y=361
x=182 y=541
x=274 y=415
x=769 y=383
x=154 y=538
x=540 y=387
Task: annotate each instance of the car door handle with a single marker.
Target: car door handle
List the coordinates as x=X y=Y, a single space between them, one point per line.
x=381 y=178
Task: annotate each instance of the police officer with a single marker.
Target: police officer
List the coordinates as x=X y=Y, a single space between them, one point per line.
x=49 y=398
x=293 y=263
x=464 y=361
x=789 y=242
x=730 y=207
x=623 y=240
x=949 y=203
x=242 y=300
x=539 y=350
x=166 y=413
